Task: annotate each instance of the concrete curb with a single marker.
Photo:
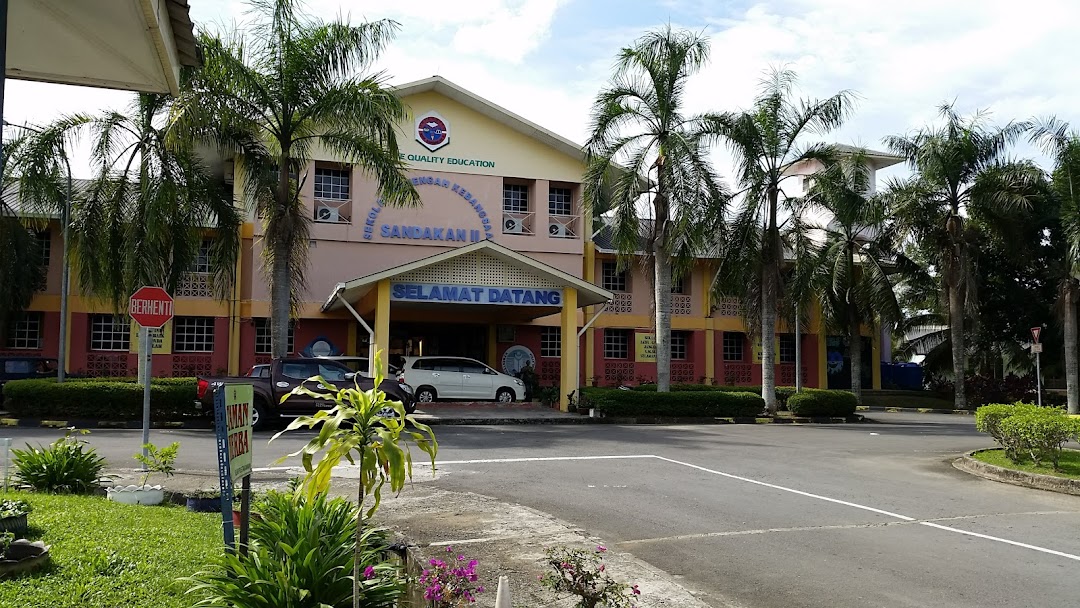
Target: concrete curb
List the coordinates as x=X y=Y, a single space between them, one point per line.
x=82 y=423
x=1050 y=483
x=644 y=420
x=911 y=410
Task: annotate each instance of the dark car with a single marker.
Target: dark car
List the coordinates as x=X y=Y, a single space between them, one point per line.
x=283 y=375
x=360 y=364
x=21 y=368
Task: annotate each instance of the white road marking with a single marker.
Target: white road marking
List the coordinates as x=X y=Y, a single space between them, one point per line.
x=1002 y=540
x=902 y=518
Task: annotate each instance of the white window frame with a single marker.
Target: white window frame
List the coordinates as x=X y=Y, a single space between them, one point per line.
x=560 y=201
x=617 y=341
x=551 y=342
x=786 y=349
x=738 y=342
x=611 y=278
x=193 y=334
x=24 y=331
x=515 y=198
x=263 y=341
x=338 y=187
x=110 y=332
x=680 y=341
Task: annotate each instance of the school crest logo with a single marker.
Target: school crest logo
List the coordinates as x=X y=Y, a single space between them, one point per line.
x=432 y=130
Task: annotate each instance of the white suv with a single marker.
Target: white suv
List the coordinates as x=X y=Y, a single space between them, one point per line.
x=459 y=378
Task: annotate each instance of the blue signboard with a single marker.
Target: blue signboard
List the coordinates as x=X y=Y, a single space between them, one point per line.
x=474 y=294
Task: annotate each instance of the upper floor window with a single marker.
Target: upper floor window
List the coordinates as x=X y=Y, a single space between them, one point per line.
x=44 y=243
x=560 y=201
x=611 y=278
x=331 y=184
x=616 y=343
x=515 y=198
x=110 y=332
x=24 y=331
x=202 y=259
x=678 y=285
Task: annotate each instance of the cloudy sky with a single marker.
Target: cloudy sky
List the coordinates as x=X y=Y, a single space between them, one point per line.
x=546 y=59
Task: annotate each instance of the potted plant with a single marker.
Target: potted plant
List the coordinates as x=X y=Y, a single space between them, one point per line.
x=157 y=460
x=13 y=516
x=21 y=556
x=204 y=501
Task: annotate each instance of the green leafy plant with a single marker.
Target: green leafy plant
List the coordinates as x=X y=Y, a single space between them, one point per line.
x=548 y=395
x=988 y=419
x=354 y=430
x=583 y=574
x=6 y=538
x=67 y=466
x=822 y=403
x=158 y=460
x=14 y=508
x=301 y=556
x=1040 y=434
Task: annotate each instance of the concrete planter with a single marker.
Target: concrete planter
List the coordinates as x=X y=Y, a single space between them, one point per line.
x=23 y=557
x=1017 y=478
x=136 y=495
x=16 y=525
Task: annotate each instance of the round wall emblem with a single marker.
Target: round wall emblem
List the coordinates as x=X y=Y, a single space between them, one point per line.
x=432 y=130
x=515 y=358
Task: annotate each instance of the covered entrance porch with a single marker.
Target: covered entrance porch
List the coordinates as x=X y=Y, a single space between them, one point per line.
x=455 y=302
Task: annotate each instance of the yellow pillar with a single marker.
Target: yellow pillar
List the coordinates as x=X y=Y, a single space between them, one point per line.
x=710 y=356
x=875 y=359
x=382 y=322
x=492 y=351
x=569 y=359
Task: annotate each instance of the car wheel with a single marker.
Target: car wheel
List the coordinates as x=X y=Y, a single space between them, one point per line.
x=425 y=394
x=505 y=395
x=260 y=418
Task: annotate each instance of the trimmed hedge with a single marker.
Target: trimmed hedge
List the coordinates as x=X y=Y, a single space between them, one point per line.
x=782 y=392
x=171 y=399
x=681 y=404
x=822 y=403
x=1025 y=430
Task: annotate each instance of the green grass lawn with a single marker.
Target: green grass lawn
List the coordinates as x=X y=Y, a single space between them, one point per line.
x=1069 y=463
x=106 y=554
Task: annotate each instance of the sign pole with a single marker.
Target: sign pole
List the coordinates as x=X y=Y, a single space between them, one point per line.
x=245 y=513
x=144 y=363
x=1037 y=349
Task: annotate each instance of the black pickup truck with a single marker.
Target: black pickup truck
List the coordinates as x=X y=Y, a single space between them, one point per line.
x=286 y=374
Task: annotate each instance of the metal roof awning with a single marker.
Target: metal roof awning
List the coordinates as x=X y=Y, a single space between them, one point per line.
x=356 y=289
x=134 y=45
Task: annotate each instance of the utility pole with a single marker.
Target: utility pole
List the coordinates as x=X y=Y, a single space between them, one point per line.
x=1037 y=348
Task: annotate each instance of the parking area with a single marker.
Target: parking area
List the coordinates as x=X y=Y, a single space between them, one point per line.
x=766 y=516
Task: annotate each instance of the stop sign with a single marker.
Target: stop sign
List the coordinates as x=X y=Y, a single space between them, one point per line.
x=150 y=306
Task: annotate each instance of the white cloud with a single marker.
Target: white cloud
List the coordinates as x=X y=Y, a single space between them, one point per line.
x=509 y=33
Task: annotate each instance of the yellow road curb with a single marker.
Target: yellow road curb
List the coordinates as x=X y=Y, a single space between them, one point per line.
x=56 y=424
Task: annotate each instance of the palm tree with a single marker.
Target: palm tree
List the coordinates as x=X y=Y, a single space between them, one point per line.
x=858 y=257
x=961 y=173
x=151 y=203
x=766 y=143
x=642 y=146
x=271 y=96
x=1063 y=145
x=20 y=266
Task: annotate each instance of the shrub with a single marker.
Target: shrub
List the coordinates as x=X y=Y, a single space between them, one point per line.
x=988 y=419
x=824 y=403
x=301 y=555
x=583 y=574
x=14 y=508
x=450 y=584
x=68 y=466
x=698 y=404
x=782 y=392
x=1039 y=433
x=170 y=399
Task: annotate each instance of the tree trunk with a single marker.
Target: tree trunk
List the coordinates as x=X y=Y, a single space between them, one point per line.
x=662 y=287
x=769 y=293
x=956 y=334
x=855 y=351
x=281 y=286
x=1072 y=381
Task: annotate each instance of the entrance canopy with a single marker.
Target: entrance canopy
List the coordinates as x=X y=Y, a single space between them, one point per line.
x=483 y=280
x=135 y=45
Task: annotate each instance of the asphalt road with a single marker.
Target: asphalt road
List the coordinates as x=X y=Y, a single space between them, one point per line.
x=763 y=516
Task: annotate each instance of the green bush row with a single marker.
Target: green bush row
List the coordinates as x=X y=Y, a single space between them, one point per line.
x=1027 y=431
x=680 y=404
x=816 y=402
x=171 y=399
x=840 y=404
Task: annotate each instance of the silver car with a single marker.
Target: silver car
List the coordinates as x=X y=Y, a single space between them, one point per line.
x=459 y=379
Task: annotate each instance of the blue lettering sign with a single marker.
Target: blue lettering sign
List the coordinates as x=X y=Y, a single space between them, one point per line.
x=472 y=294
